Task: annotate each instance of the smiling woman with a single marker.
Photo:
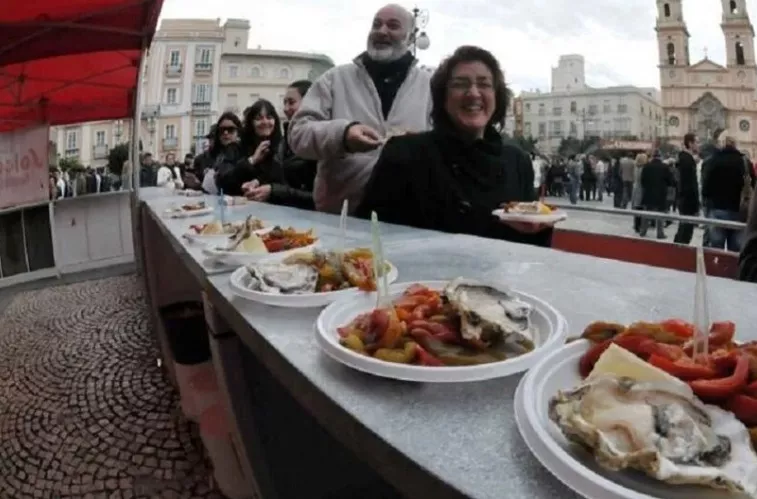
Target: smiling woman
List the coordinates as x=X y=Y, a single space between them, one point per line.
x=453 y=177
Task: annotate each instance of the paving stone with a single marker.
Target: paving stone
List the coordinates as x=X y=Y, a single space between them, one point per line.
x=86 y=411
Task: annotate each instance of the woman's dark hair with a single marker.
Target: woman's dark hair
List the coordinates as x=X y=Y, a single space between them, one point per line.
x=250 y=140
x=442 y=75
x=215 y=142
x=302 y=86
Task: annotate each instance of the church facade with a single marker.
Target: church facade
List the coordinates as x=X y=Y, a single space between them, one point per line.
x=706 y=97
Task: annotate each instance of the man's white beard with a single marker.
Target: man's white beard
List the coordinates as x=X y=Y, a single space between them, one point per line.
x=388 y=54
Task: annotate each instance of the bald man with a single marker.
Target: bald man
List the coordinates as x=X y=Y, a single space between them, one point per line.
x=352 y=109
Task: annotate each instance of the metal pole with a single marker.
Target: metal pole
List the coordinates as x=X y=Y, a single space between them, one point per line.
x=136 y=125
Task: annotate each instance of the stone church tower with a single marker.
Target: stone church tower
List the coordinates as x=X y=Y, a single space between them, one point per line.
x=706 y=97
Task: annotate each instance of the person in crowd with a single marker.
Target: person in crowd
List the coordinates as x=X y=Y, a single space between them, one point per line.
x=637 y=192
x=574 y=178
x=656 y=179
x=539 y=167
x=628 y=176
x=452 y=177
x=600 y=169
x=224 y=152
x=722 y=184
x=170 y=173
x=588 y=179
x=616 y=184
x=260 y=176
x=688 y=187
x=748 y=256
x=127 y=176
x=203 y=161
x=147 y=172
x=189 y=176
x=350 y=110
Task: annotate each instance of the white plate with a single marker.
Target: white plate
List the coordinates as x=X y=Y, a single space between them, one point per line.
x=240 y=281
x=216 y=240
x=571 y=465
x=188 y=213
x=239 y=258
x=551 y=218
x=191 y=193
x=550 y=323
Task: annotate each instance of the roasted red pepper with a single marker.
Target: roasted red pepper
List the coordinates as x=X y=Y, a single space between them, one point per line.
x=642 y=346
x=724 y=361
x=751 y=389
x=592 y=355
x=438 y=330
x=426 y=359
x=678 y=327
x=683 y=368
x=672 y=352
x=744 y=407
x=722 y=388
x=722 y=333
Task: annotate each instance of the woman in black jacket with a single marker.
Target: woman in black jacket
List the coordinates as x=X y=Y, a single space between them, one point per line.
x=224 y=151
x=451 y=178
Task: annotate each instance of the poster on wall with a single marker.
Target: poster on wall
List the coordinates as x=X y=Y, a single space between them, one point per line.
x=24 y=171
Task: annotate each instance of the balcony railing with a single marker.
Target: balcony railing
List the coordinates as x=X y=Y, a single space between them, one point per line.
x=203 y=67
x=170 y=143
x=174 y=69
x=201 y=107
x=100 y=151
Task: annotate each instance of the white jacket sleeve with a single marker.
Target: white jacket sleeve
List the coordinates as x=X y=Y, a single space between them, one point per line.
x=313 y=134
x=164 y=176
x=178 y=182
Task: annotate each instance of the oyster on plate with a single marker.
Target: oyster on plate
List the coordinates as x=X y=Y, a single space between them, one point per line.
x=491 y=315
x=282 y=278
x=246 y=240
x=659 y=428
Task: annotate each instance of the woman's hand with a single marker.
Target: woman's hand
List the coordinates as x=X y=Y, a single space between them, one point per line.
x=260 y=152
x=259 y=193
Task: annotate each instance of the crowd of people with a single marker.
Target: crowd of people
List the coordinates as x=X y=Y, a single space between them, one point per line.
x=715 y=182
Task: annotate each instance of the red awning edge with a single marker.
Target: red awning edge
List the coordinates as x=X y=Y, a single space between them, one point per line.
x=74 y=61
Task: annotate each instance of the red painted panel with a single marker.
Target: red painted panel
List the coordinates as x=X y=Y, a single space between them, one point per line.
x=645 y=251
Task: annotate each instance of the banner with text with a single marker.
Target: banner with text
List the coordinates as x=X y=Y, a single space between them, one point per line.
x=24 y=172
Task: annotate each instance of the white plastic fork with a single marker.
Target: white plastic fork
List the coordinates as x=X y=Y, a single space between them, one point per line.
x=701 y=311
x=343 y=225
x=382 y=283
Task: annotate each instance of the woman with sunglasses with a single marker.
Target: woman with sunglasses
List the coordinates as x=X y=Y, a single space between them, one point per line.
x=225 y=151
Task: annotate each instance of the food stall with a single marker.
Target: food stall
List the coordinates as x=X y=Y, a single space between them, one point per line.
x=56 y=73
x=302 y=422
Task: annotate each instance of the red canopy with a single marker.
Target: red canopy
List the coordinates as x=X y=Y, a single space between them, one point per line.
x=70 y=61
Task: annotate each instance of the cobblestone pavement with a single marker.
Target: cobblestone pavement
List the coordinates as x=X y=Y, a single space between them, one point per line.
x=617 y=225
x=85 y=411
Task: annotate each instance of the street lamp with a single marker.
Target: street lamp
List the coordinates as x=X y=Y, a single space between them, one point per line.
x=418 y=38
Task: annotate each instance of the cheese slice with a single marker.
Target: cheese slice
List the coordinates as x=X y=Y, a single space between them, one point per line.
x=618 y=361
x=252 y=244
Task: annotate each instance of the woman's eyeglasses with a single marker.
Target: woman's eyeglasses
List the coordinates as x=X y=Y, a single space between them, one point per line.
x=227 y=129
x=465 y=85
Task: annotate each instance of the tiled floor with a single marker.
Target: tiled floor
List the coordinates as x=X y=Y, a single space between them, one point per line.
x=84 y=409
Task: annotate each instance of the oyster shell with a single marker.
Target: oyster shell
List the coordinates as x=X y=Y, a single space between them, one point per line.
x=281 y=278
x=491 y=315
x=661 y=429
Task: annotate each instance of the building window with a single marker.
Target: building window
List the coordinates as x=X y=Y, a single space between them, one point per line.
x=231 y=102
x=170 y=132
x=233 y=71
x=541 y=110
x=573 y=129
x=542 y=130
x=254 y=98
x=593 y=109
x=237 y=41
x=205 y=56
x=171 y=94
x=666 y=9
x=174 y=58
x=527 y=129
x=606 y=108
x=201 y=127
x=256 y=72
x=733 y=7
x=100 y=138
x=284 y=73
x=622 y=108
x=740 y=54
x=201 y=93
x=72 y=140
x=557 y=111
x=671 y=53
x=573 y=107
x=528 y=107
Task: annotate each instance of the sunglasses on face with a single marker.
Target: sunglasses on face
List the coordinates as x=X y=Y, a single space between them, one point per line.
x=227 y=129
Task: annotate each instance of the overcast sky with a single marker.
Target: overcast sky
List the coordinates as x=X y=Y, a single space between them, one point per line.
x=616 y=36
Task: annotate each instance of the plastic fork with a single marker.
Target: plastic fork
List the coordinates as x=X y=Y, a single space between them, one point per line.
x=701 y=311
x=343 y=224
x=382 y=283
x=221 y=208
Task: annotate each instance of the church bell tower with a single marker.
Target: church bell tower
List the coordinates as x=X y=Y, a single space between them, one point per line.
x=739 y=34
x=672 y=38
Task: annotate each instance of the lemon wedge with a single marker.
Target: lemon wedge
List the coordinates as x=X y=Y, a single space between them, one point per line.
x=252 y=244
x=617 y=361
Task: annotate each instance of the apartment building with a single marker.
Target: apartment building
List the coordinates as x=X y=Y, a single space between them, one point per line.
x=196 y=69
x=573 y=109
